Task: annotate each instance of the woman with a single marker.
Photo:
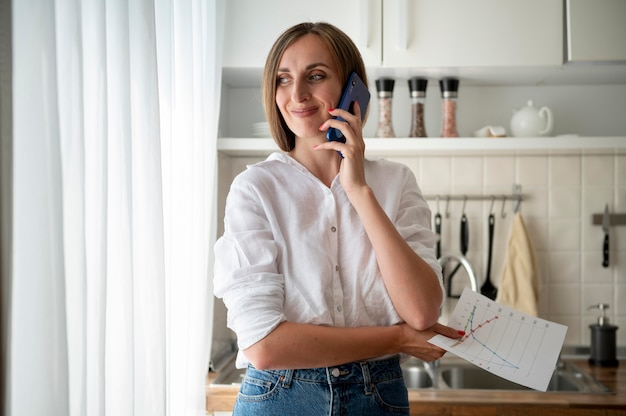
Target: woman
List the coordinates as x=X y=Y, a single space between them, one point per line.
x=326 y=264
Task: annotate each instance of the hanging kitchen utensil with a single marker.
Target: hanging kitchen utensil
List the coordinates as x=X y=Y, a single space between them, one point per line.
x=488 y=289
x=464 y=246
x=606 y=220
x=438 y=230
x=438 y=233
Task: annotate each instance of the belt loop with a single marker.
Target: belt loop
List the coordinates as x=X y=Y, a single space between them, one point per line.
x=367 y=381
x=286 y=382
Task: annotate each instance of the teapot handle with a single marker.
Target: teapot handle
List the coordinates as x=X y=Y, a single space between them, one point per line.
x=545 y=112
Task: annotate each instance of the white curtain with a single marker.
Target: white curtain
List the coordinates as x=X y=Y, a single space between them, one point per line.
x=115 y=112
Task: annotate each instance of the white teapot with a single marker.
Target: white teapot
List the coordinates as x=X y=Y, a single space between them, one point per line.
x=529 y=121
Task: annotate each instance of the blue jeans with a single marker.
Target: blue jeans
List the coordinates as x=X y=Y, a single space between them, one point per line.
x=365 y=388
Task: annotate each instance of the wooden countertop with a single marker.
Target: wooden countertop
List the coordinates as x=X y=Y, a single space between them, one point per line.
x=489 y=402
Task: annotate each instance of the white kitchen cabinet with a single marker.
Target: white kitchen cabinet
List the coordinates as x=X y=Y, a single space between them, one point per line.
x=408 y=33
x=253 y=26
x=596 y=30
x=477 y=33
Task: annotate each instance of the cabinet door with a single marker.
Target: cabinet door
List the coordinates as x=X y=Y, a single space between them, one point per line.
x=596 y=30
x=472 y=33
x=252 y=26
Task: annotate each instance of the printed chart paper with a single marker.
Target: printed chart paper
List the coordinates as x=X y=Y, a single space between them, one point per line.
x=518 y=347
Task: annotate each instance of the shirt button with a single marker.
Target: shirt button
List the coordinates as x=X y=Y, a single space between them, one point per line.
x=333 y=229
x=337 y=268
x=335 y=372
x=339 y=308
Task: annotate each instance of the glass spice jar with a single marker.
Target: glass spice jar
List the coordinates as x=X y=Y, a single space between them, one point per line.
x=449 y=90
x=417 y=88
x=384 y=88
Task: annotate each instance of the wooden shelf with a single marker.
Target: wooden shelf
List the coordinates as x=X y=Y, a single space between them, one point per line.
x=244 y=147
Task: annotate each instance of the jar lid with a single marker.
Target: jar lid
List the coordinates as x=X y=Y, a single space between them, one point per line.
x=417 y=84
x=384 y=84
x=449 y=85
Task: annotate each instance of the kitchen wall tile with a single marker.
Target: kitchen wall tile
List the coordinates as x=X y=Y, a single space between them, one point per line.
x=593 y=272
x=617 y=261
x=544 y=275
x=564 y=267
x=585 y=332
x=436 y=175
x=532 y=171
x=617 y=243
x=565 y=202
x=594 y=198
x=564 y=299
x=618 y=233
x=467 y=172
x=573 y=335
x=620 y=171
x=564 y=235
x=535 y=204
x=598 y=171
x=499 y=172
x=565 y=171
x=620 y=300
x=620 y=197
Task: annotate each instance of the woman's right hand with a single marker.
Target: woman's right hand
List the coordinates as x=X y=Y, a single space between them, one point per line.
x=417 y=345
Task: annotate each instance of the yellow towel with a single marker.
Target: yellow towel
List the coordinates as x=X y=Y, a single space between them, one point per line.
x=519 y=286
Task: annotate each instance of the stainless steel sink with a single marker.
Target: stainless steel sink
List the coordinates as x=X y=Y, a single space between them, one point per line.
x=417 y=375
x=453 y=373
x=476 y=378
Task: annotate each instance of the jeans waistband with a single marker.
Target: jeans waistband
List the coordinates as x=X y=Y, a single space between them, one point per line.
x=357 y=372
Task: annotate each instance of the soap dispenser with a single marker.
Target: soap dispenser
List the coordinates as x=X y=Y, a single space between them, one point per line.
x=603 y=340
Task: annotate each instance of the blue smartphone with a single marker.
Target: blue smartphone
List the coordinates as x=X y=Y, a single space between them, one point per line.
x=355 y=90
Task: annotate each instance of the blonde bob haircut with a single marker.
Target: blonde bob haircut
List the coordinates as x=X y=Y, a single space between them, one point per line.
x=346 y=57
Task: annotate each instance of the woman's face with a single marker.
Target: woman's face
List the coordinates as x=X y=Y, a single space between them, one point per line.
x=307 y=86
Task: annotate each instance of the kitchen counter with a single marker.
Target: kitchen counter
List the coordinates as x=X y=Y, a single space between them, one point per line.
x=490 y=402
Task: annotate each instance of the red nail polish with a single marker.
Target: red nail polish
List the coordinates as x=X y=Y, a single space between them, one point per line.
x=461 y=332
x=330 y=110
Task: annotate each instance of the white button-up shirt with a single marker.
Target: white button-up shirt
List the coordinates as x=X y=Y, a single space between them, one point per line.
x=295 y=250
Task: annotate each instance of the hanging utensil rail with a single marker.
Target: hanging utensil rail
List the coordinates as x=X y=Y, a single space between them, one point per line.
x=516 y=197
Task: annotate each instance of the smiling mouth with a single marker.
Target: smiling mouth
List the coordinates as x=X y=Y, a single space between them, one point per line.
x=304 y=112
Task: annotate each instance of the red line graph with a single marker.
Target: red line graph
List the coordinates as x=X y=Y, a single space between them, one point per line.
x=469 y=332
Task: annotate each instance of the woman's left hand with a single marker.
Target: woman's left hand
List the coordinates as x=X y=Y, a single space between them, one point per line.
x=352 y=171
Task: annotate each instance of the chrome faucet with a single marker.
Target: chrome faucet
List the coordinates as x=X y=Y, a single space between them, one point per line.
x=433 y=366
x=466 y=264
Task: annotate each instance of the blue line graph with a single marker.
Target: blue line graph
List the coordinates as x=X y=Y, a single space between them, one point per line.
x=470 y=331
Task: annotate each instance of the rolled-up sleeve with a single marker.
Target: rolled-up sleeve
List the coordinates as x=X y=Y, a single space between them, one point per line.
x=413 y=222
x=246 y=274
